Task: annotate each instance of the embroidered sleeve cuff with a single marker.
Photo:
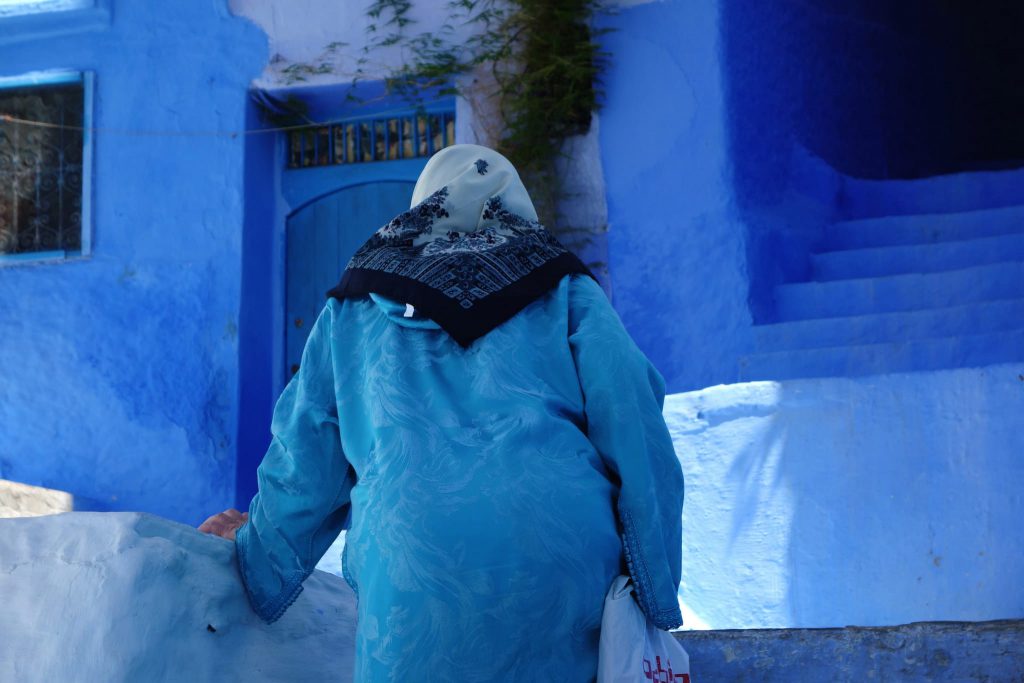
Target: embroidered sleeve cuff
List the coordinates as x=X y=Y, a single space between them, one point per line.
x=645 y=588
x=270 y=594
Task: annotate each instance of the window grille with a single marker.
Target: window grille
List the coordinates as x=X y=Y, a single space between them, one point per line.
x=41 y=169
x=367 y=140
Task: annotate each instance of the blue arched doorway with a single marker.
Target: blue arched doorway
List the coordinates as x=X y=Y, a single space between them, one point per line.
x=313 y=196
x=321 y=238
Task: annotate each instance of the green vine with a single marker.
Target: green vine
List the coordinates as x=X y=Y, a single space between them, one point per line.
x=541 y=58
x=531 y=68
x=301 y=71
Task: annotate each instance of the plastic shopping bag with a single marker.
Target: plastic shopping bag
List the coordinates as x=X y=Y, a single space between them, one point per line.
x=633 y=650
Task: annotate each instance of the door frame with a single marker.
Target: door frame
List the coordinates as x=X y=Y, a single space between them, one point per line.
x=273 y=193
x=300 y=187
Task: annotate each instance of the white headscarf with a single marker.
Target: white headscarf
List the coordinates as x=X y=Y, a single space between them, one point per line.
x=473 y=174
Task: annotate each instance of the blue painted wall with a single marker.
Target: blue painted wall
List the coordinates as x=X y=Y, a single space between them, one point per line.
x=120 y=371
x=873 y=89
x=860 y=84
x=716 y=122
x=731 y=135
x=677 y=253
x=879 y=500
x=259 y=345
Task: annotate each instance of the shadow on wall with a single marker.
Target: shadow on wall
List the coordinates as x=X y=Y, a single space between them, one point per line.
x=877 y=89
x=874 y=88
x=871 y=501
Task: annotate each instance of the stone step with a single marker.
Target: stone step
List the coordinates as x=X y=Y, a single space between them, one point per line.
x=923 y=228
x=937 y=194
x=24 y=500
x=843 y=298
x=916 y=258
x=975 y=318
x=965 y=351
x=911 y=653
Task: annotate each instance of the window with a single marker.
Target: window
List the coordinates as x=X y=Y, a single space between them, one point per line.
x=365 y=140
x=12 y=7
x=44 y=166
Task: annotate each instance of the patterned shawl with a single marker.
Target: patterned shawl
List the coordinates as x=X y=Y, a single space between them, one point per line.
x=469 y=254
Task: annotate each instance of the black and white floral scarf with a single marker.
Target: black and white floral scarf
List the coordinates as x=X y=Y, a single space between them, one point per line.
x=470 y=254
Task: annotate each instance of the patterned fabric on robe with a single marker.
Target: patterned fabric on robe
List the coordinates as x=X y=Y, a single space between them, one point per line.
x=493 y=492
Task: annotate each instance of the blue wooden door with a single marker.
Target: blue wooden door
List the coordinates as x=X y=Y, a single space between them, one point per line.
x=321 y=238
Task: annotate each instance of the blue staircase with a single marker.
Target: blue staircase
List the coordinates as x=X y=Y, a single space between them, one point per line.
x=924 y=275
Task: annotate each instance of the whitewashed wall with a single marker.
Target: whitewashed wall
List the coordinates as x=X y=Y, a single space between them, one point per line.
x=132 y=597
x=300 y=31
x=869 y=501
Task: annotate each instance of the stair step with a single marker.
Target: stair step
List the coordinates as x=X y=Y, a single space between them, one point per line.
x=875 y=359
x=917 y=258
x=923 y=228
x=975 y=318
x=843 y=298
x=937 y=194
x=911 y=653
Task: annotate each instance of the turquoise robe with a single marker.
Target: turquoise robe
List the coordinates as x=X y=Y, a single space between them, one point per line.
x=492 y=493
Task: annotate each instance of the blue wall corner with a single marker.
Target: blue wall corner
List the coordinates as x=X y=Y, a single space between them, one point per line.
x=732 y=130
x=870 y=89
x=260 y=276
x=676 y=244
x=121 y=369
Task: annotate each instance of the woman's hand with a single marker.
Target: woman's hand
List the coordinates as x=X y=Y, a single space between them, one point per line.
x=224 y=524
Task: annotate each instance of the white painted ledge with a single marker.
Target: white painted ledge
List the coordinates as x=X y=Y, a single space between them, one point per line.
x=103 y=596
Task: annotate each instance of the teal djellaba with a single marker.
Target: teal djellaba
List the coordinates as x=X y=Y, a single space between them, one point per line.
x=470 y=406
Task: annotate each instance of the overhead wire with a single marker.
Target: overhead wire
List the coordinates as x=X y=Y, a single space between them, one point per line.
x=204 y=133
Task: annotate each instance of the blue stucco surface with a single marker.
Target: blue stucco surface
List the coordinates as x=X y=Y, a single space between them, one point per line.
x=262 y=300
x=676 y=247
x=875 y=90
x=737 y=138
x=120 y=370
